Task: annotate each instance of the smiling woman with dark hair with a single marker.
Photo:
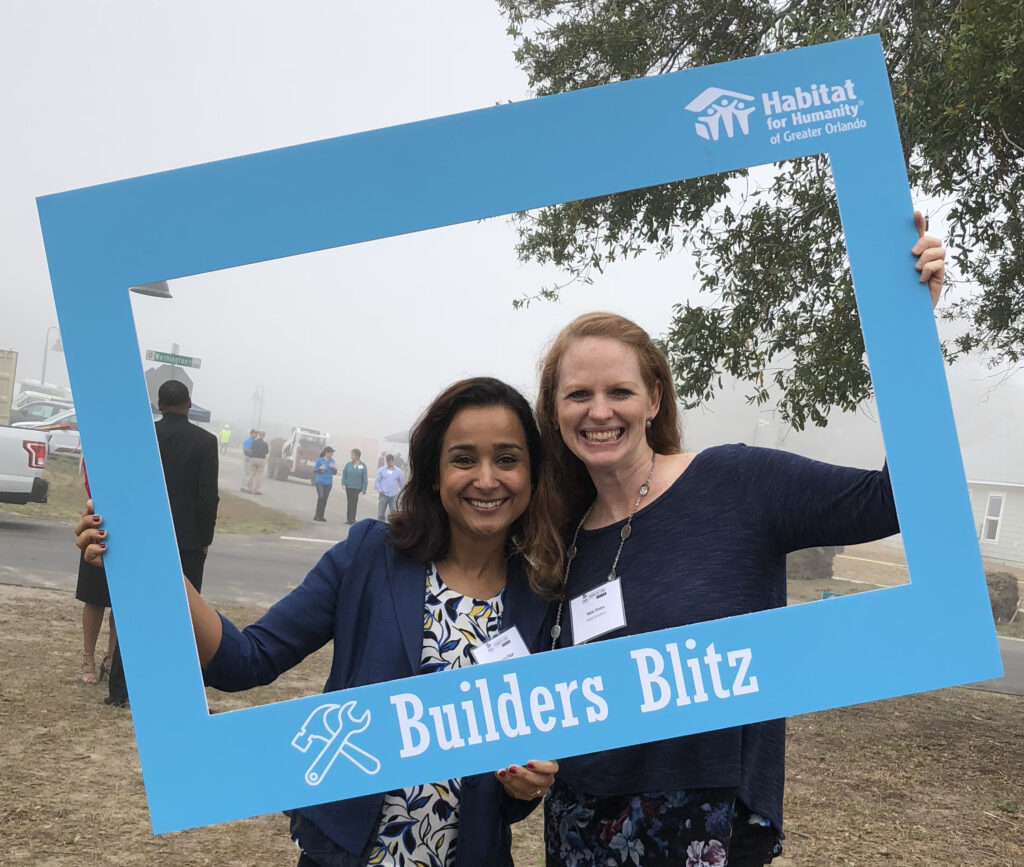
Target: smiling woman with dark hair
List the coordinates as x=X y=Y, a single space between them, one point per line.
x=453 y=571
x=422 y=527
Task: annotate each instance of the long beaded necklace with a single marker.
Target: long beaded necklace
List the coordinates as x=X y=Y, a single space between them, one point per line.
x=572 y=550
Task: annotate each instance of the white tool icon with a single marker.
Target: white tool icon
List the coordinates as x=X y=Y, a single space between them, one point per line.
x=333 y=725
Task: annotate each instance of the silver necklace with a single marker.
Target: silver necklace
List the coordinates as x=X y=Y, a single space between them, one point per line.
x=572 y=550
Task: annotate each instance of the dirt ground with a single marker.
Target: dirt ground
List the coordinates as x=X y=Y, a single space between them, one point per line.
x=926 y=780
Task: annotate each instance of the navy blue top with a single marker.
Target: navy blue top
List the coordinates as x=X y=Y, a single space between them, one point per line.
x=714 y=545
x=370 y=599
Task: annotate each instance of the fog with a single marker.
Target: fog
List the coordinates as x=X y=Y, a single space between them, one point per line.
x=356 y=340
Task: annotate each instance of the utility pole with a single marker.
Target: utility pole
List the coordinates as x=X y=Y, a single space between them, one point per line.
x=46 y=351
x=257 y=408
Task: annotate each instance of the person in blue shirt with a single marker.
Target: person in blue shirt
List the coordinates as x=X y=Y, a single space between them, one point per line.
x=323 y=477
x=459 y=564
x=389 y=483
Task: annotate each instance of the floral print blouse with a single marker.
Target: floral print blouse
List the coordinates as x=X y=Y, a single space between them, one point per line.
x=420 y=825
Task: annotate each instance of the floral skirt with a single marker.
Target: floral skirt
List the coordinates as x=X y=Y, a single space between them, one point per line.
x=691 y=828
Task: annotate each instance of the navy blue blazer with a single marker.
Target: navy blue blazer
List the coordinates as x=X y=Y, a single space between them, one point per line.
x=369 y=599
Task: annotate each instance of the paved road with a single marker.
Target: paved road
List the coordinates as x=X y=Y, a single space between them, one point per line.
x=297 y=497
x=258 y=570
x=250 y=570
x=241 y=570
x=1012 y=681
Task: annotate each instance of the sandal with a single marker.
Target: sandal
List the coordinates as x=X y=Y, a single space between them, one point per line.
x=105 y=665
x=88 y=669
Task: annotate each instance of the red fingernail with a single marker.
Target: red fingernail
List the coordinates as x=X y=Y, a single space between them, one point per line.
x=95 y=519
x=529 y=765
x=102 y=533
x=512 y=770
x=104 y=547
x=501 y=773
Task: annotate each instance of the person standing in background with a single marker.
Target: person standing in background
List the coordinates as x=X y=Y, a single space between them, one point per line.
x=190 y=463
x=247 y=457
x=354 y=479
x=257 y=463
x=323 y=478
x=225 y=438
x=380 y=460
x=92 y=591
x=389 y=483
x=189 y=457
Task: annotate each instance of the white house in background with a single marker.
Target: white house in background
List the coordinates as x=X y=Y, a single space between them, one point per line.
x=998 y=509
x=995 y=481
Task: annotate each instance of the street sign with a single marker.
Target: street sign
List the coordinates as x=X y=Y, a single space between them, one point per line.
x=176 y=360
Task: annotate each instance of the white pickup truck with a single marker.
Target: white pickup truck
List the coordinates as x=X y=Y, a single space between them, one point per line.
x=60 y=431
x=22 y=460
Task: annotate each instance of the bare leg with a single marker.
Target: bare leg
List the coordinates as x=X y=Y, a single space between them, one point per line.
x=92 y=620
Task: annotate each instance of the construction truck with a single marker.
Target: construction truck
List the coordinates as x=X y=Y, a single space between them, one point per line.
x=298 y=454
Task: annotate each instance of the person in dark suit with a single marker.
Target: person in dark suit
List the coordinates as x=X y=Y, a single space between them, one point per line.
x=189 y=457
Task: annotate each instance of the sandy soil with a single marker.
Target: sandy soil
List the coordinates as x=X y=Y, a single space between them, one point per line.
x=69 y=769
x=927 y=780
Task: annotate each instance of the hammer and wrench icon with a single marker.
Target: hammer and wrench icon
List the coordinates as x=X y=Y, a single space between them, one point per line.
x=333 y=726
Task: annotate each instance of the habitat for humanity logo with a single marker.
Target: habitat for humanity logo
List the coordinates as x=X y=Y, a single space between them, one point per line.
x=721 y=110
x=808 y=111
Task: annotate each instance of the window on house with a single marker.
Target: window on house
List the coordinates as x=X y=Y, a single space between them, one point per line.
x=993 y=514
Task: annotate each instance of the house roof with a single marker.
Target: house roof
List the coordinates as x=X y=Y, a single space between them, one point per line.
x=996 y=461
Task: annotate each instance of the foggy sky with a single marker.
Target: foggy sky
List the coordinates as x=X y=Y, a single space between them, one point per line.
x=355 y=340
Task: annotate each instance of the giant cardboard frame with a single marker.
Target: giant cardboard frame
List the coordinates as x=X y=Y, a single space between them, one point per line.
x=201 y=768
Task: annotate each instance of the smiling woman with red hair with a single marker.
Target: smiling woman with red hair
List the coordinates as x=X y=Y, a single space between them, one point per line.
x=684 y=538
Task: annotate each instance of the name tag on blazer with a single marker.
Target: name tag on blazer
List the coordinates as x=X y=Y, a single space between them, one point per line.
x=506 y=645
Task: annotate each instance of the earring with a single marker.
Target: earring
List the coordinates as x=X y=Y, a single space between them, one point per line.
x=649 y=423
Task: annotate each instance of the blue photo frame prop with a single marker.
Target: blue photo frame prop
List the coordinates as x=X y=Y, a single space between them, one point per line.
x=201 y=768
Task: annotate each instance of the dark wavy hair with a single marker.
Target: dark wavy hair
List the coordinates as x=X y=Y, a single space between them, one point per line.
x=420 y=528
x=565 y=485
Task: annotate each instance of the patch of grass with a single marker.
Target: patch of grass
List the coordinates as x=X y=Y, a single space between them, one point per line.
x=1012 y=630
x=238 y=515
x=66 y=501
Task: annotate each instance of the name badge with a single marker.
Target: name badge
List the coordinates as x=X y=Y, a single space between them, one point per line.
x=506 y=645
x=597 y=611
